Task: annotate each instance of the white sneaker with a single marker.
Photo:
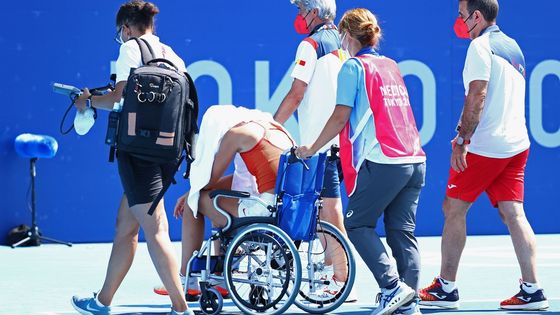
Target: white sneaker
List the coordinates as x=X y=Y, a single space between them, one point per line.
x=187 y=312
x=329 y=291
x=352 y=297
x=391 y=300
x=333 y=288
x=411 y=309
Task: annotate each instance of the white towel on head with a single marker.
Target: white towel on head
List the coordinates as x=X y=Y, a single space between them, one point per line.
x=216 y=122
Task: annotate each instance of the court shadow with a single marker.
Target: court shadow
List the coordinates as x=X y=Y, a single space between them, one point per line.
x=165 y=313
x=151 y=313
x=145 y=305
x=355 y=311
x=436 y=311
x=196 y=311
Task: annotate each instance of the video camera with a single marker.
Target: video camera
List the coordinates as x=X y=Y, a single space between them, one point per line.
x=74 y=92
x=84 y=120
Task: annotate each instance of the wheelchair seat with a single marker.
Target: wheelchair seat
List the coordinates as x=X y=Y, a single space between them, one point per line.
x=238 y=223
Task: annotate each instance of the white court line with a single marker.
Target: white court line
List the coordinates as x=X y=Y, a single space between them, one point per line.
x=512 y=265
x=353 y=306
x=492 y=300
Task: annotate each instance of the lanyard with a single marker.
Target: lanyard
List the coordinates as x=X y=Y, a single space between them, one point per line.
x=322 y=27
x=367 y=50
x=491 y=29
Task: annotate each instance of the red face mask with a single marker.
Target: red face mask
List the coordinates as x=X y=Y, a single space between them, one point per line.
x=461 y=28
x=301 y=25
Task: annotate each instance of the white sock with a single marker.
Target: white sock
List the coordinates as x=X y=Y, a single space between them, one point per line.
x=446 y=285
x=530 y=287
x=99 y=304
x=329 y=269
x=193 y=283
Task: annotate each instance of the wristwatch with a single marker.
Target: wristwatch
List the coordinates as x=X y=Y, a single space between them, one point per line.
x=462 y=141
x=89 y=102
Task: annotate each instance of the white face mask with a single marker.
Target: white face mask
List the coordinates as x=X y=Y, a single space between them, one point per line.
x=118 y=36
x=345 y=46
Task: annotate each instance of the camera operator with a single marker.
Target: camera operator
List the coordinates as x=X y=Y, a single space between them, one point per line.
x=142 y=180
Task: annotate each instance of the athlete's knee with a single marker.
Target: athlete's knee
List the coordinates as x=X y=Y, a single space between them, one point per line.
x=511 y=212
x=455 y=209
x=352 y=223
x=127 y=232
x=400 y=239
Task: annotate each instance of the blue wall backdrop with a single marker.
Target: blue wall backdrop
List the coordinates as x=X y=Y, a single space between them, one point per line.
x=240 y=52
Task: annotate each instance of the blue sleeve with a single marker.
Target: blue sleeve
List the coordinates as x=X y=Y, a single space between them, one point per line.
x=347 y=84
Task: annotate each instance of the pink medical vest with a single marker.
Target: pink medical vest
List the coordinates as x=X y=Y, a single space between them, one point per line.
x=395 y=126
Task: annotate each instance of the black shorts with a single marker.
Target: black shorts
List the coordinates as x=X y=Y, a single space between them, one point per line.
x=331 y=182
x=142 y=180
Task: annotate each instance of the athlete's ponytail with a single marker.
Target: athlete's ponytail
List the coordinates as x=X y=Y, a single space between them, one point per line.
x=362 y=25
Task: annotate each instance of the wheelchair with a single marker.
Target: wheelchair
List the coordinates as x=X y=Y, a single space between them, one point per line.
x=262 y=267
x=328 y=264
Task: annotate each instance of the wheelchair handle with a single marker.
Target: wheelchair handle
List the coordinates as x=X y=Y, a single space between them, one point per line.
x=335 y=149
x=297 y=159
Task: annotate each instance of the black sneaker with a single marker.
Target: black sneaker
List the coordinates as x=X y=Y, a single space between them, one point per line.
x=434 y=295
x=526 y=301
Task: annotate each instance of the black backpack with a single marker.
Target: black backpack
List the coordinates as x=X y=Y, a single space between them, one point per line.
x=158 y=120
x=158 y=117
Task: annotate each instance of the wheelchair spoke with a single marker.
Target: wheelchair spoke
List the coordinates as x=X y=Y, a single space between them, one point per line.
x=328 y=271
x=260 y=282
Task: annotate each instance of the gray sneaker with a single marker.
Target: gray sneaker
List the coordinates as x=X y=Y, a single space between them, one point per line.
x=391 y=300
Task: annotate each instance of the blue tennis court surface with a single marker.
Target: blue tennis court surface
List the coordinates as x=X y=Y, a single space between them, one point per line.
x=41 y=280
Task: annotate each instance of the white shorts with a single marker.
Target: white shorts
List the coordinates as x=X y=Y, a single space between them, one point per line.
x=253 y=208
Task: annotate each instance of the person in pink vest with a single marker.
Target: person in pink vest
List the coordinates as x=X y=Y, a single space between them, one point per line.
x=382 y=161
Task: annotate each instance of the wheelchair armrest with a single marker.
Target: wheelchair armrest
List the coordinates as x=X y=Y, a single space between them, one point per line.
x=229 y=193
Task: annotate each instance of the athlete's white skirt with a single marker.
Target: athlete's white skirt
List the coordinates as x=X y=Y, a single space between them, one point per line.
x=253 y=208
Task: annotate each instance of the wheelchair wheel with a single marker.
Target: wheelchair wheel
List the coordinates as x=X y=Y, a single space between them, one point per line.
x=265 y=272
x=328 y=271
x=211 y=302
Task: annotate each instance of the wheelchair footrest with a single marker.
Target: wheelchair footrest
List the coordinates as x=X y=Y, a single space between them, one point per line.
x=216 y=264
x=199 y=264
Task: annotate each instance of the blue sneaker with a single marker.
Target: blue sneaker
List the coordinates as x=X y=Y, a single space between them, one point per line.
x=411 y=309
x=391 y=299
x=434 y=295
x=88 y=306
